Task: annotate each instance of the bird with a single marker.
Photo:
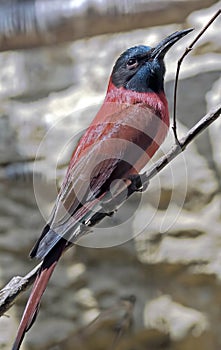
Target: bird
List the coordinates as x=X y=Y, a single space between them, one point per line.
x=128 y=129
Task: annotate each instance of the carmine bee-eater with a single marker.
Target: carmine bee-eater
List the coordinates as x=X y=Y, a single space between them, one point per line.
x=128 y=129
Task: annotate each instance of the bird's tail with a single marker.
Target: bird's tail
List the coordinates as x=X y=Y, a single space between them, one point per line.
x=38 y=289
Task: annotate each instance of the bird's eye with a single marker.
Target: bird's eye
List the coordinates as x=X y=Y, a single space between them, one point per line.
x=132 y=63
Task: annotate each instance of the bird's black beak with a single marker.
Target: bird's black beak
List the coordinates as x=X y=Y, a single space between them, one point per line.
x=161 y=49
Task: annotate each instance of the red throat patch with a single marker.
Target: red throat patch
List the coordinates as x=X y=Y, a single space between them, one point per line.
x=156 y=102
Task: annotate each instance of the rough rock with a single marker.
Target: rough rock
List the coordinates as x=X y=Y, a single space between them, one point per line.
x=169 y=317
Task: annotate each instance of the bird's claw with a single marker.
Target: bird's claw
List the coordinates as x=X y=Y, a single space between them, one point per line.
x=136 y=183
x=107 y=208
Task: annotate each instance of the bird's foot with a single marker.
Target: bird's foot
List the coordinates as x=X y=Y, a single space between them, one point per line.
x=109 y=208
x=136 y=183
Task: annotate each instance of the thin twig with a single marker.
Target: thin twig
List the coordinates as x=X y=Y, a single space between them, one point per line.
x=188 y=49
x=18 y=284
x=126 y=321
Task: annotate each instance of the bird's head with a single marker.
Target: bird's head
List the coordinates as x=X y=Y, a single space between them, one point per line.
x=141 y=68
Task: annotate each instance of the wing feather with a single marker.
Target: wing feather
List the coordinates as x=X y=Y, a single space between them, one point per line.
x=106 y=152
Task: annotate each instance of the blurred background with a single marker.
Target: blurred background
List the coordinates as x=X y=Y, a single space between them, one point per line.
x=161 y=289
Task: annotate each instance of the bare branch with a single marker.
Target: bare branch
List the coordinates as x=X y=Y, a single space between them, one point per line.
x=204 y=123
x=188 y=49
x=33 y=23
x=14 y=288
x=112 y=202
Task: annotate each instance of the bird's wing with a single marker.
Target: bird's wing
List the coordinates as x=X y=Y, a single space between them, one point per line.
x=106 y=152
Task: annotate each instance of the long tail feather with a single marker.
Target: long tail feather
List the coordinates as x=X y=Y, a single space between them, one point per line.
x=38 y=289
